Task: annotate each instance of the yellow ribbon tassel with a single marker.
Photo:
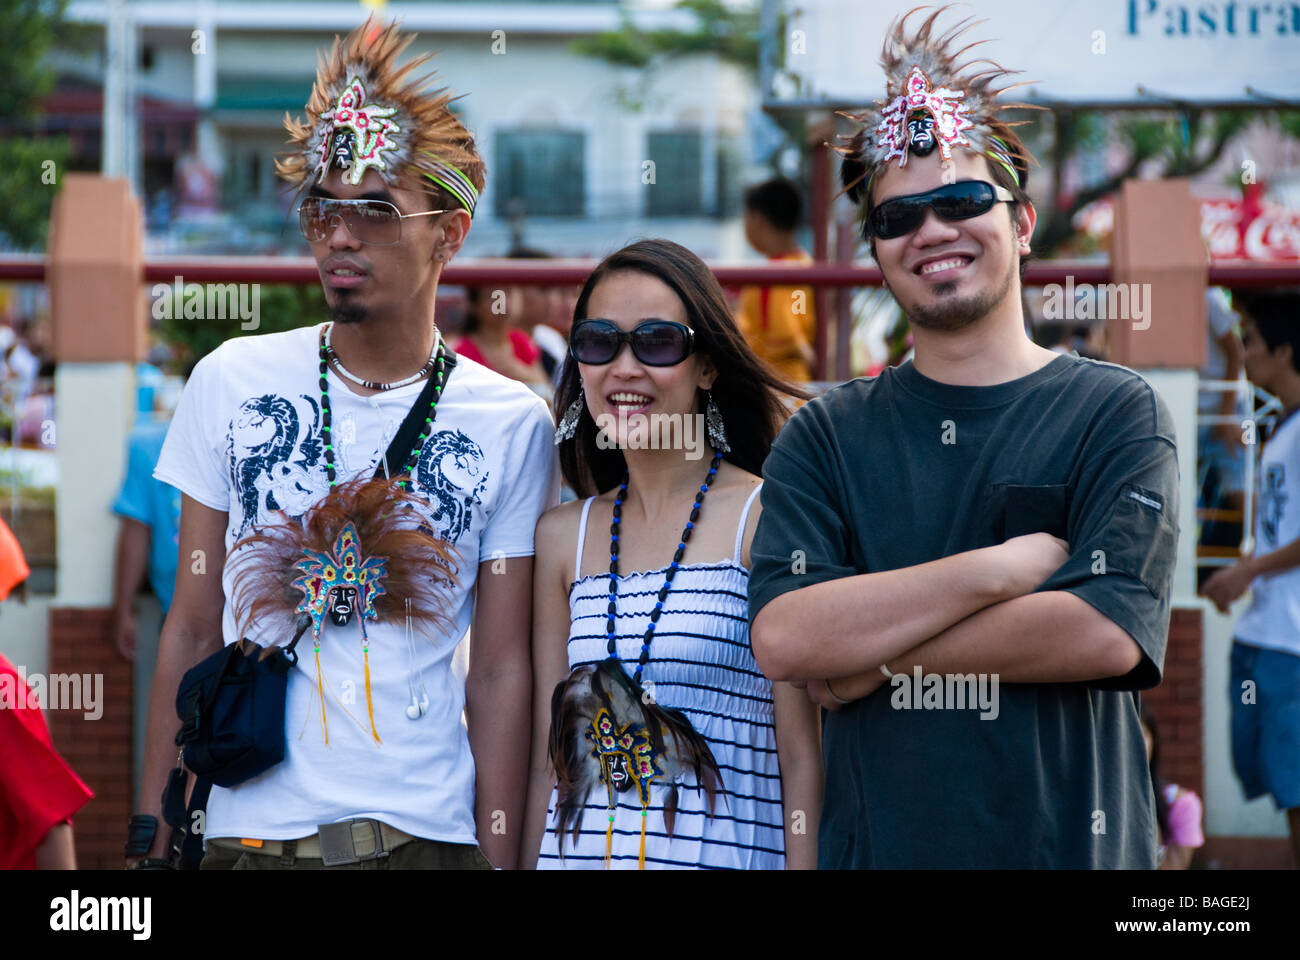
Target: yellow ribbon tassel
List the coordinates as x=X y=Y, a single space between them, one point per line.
x=320 y=691
x=609 y=839
x=370 y=706
x=640 y=863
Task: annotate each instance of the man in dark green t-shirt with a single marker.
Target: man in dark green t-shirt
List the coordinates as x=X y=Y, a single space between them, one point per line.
x=991 y=523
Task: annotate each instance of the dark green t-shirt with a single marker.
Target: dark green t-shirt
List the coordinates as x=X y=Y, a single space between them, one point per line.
x=900 y=470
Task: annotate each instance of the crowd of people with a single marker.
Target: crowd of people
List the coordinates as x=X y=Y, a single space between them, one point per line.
x=869 y=633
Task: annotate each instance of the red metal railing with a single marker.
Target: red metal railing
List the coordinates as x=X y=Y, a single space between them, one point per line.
x=302 y=270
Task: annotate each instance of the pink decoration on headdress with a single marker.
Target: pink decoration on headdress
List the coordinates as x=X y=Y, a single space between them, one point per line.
x=370 y=126
x=943 y=105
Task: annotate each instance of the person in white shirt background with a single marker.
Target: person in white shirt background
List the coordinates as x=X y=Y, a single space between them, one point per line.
x=1264 y=689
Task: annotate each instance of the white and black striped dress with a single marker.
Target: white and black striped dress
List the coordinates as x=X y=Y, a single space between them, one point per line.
x=700 y=663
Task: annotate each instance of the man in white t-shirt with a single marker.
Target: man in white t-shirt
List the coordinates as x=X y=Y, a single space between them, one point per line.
x=1265 y=686
x=436 y=777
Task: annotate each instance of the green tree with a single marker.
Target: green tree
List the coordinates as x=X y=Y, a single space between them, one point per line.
x=30 y=169
x=280 y=307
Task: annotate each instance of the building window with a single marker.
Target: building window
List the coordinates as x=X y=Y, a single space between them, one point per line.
x=539 y=173
x=678 y=189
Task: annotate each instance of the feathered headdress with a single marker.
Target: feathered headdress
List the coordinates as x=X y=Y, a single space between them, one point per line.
x=360 y=550
x=367 y=113
x=932 y=101
x=606 y=730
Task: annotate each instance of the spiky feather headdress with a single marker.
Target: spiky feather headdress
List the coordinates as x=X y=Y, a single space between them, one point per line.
x=932 y=101
x=366 y=112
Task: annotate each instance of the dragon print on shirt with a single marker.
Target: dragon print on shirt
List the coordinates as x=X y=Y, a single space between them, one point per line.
x=276 y=460
x=1272 y=501
x=450 y=470
x=271 y=470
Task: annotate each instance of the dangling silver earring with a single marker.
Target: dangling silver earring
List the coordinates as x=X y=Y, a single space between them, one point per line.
x=714 y=426
x=569 y=422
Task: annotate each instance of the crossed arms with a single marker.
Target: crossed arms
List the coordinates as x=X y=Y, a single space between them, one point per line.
x=971 y=612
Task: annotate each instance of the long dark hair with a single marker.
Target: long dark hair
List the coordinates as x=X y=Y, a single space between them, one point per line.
x=746 y=389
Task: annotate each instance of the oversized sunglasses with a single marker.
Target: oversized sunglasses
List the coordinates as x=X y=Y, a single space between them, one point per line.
x=899 y=216
x=376 y=222
x=656 y=343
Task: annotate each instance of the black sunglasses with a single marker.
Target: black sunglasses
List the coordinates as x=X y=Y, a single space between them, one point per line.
x=656 y=343
x=899 y=216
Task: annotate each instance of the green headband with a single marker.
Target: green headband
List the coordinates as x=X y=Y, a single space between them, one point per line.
x=454 y=182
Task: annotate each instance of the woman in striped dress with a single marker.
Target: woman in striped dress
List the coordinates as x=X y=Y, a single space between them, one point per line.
x=647 y=576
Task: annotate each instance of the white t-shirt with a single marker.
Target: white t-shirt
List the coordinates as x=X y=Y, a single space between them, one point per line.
x=1273 y=619
x=246 y=439
x=1220 y=318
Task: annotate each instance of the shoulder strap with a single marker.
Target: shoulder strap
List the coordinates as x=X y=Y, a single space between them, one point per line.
x=582 y=538
x=407 y=433
x=744 y=519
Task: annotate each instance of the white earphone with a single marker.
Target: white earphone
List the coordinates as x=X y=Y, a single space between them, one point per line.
x=419 y=705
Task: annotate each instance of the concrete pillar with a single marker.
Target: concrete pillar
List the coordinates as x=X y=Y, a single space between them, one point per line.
x=97 y=312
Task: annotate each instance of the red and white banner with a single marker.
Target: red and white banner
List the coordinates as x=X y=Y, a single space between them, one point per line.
x=1244 y=228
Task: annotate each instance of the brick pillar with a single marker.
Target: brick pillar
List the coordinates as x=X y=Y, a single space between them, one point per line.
x=98 y=750
x=1178 y=703
x=97 y=312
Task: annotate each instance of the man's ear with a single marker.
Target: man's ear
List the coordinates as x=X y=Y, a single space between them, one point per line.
x=1026 y=218
x=455 y=228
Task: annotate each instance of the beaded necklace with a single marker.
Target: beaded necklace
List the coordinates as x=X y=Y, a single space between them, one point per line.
x=440 y=372
x=420 y=374
x=645 y=754
x=672 y=569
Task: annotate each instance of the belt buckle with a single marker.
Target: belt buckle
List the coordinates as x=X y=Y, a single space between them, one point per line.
x=338 y=847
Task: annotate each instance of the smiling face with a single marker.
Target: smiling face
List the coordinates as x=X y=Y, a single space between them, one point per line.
x=363 y=280
x=949 y=274
x=625 y=386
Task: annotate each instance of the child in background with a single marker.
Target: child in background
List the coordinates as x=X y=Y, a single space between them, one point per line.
x=1178 y=810
x=778 y=322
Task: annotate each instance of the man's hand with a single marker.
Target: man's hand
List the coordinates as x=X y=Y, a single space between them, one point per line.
x=1229 y=584
x=824 y=692
x=1030 y=559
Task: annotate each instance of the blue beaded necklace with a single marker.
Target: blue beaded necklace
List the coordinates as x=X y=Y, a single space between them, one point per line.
x=672 y=569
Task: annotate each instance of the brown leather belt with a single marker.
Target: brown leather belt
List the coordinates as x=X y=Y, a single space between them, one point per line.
x=349 y=841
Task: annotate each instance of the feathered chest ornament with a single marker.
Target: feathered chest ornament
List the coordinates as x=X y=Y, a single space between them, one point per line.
x=607 y=730
x=363 y=551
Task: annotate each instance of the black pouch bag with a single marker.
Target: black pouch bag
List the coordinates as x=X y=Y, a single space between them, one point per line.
x=231 y=708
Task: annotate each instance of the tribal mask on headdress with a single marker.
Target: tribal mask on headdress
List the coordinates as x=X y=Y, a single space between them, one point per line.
x=933 y=102
x=360 y=550
x=365 y=113
x=605 y=729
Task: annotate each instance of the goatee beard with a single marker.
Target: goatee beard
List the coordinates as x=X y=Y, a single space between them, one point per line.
x=346 y=313
x=954 y=314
